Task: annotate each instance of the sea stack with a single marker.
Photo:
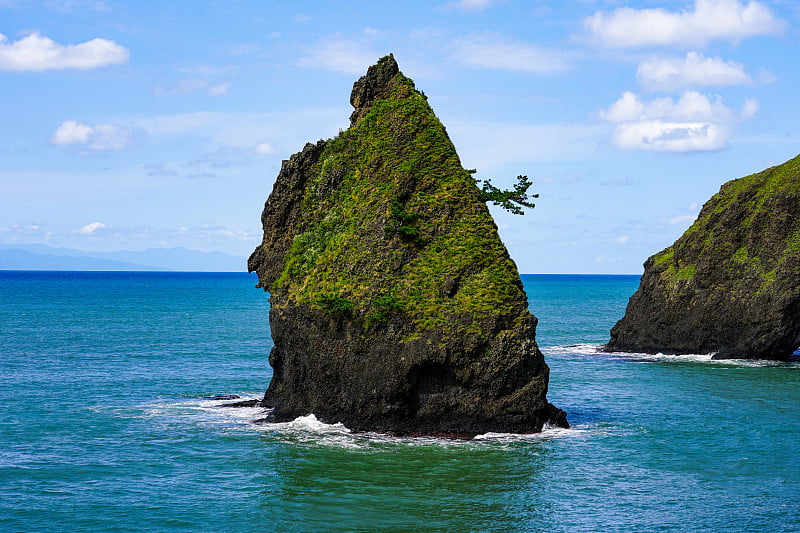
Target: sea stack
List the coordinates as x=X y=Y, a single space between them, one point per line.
x=730 y=285
x=394 y=305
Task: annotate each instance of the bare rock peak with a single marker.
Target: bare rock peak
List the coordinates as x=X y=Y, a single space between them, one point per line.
x=374 y=85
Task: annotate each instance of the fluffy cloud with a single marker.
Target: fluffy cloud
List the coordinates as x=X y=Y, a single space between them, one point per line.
x=691 y=106
x=491 y=51
x=692 y=123
x=97 y=137
x=264 y=148
x=660 y=135
x=340 y=55
x=37 y=53
x=692 y=71
x=708 y=20
x=89 y=229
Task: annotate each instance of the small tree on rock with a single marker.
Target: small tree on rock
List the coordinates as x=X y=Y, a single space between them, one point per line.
x=512 y=200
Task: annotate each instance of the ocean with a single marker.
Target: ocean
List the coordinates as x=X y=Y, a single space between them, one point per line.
x=107 y=425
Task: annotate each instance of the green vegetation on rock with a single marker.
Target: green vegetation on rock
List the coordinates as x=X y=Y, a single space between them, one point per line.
x=731 y=283
x=394 y=305
x=512 y=200
x=369 y=173
x=332 y=303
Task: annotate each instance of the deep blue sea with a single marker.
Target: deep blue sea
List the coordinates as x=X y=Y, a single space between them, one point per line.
x=105 y=425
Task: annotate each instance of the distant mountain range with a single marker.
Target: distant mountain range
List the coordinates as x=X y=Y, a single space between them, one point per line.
x=43 y=257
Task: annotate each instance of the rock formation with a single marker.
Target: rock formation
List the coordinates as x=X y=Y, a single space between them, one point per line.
x=731 y=284
x=395 y=307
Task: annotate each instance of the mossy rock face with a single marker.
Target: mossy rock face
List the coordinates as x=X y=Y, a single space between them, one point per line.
x=730 y=285
x=395 y=306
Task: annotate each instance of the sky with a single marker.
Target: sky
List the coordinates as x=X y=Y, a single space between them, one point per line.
x=136 y=124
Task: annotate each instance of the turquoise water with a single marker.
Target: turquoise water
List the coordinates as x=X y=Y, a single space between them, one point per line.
x=105 y=426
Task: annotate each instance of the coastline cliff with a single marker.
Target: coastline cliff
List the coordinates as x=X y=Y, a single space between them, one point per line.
x=395 y=306
x=730 y=285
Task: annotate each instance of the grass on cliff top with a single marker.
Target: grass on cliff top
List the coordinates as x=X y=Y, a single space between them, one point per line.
x=751 y=192
x=394 y=217
x=737 y=223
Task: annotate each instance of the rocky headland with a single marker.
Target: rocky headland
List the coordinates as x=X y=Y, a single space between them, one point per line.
x=394 y=305
x=730 y=285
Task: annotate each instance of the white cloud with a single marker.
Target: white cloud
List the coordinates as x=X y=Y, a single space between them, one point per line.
x=691 y=106
x=340 y=55
x=750 y=109
x=493 y=51
x=264 y=148
x=658 y=135
x=37 y=53
x=628 y=107
x=89 y=229
x=97 y=137
x=692 y=71
x=207 y=231
x=692 y=123
x=219 y=90
x=470 y=5
x=708 y=20
x=71 y=132
x=687 y=218
x=682 y=219
x=24 y=233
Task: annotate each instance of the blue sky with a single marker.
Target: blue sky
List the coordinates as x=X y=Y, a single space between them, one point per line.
x=129 y=125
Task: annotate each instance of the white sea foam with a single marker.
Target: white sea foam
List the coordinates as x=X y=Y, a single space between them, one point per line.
x=548 y=432
x=309 y=430
x=597 y=350
x=576 y=349
x=205 y=411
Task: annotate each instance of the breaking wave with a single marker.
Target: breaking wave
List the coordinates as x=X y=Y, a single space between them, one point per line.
x=596 y=350
x=310 y=431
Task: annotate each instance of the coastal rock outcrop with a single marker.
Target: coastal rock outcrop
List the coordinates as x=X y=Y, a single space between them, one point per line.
x=394 y=305
x=730 y=285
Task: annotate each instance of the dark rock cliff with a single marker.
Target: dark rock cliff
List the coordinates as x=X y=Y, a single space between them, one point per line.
x=731 y=284
x=394 y=305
